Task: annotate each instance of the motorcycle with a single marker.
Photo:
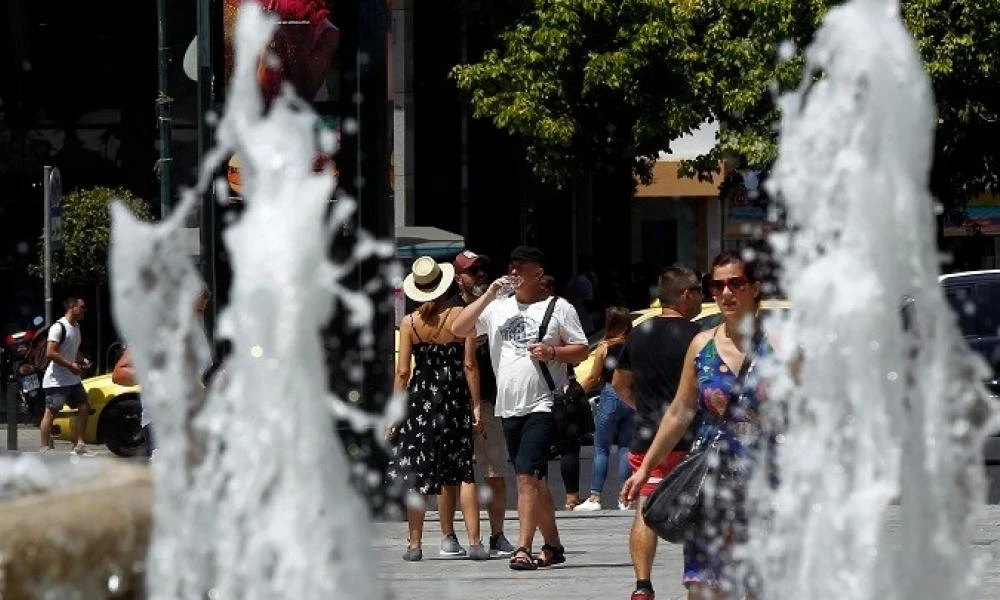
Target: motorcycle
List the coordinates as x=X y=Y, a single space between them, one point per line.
x=25 y=379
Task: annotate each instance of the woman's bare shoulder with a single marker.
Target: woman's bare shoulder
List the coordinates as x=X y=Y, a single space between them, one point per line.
x=701 y=340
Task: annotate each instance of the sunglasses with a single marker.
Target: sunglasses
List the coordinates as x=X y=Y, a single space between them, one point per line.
x=736 y=284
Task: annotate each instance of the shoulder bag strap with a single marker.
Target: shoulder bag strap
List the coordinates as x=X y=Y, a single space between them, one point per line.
x=541 y=334
x=741 y=377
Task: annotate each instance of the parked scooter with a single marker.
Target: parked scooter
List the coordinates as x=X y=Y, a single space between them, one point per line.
x=24 y=378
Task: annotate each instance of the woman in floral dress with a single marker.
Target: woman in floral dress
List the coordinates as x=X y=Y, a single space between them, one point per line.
x=730 y=414
x=433 y=444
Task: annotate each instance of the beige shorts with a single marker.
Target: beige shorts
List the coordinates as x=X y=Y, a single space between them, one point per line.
x=490 y=447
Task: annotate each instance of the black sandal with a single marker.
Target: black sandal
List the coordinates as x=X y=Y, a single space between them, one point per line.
x=557 y=556
x=522 y=560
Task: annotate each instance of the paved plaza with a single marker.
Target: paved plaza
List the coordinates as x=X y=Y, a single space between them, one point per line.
x=597 y=566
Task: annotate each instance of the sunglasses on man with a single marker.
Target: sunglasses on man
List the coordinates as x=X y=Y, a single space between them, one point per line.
x=736 y=284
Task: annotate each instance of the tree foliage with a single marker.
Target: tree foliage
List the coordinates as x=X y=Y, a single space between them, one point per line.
x=86 y=233
x=588 y=83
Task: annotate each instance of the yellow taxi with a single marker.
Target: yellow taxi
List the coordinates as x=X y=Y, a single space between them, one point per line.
x=114 y=419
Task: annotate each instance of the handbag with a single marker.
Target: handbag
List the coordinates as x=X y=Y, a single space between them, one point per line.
x=677 y=505
x=571 y=410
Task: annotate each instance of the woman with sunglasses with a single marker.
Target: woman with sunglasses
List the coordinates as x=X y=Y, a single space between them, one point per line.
x=709 y=388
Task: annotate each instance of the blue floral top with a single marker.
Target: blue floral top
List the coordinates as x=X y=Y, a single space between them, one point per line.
x=740 y=429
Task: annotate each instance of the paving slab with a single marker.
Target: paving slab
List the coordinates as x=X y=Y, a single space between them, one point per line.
x=597 y=567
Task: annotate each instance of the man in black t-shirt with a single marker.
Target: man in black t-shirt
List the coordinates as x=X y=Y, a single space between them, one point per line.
x=646 y=378
x=490 y=448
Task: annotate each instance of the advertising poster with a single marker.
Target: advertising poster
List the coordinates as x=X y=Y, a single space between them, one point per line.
x=303 y=53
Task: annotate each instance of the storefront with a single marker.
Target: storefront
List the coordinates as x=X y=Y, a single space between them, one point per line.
x=676 y=220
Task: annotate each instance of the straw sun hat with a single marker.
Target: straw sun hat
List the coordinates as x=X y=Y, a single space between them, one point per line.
x=428 y=280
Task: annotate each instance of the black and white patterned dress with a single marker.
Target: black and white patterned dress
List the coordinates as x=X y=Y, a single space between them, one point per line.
x=434 y=447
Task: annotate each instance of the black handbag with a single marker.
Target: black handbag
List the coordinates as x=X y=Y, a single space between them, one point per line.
x=571 y=410
x=678 y=504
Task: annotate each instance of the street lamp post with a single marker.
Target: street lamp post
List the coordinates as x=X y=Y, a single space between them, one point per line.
x=163 y=111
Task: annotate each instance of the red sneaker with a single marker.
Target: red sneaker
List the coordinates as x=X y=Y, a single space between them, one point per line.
x=643 y=595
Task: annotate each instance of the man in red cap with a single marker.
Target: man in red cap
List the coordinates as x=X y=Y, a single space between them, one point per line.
x=490 y=447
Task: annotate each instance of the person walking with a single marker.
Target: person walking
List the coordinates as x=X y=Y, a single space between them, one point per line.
x=646 y=378
x=568 y=448
x=61 y=380
x=711 y=388
x=434 y=447
x=124 y=371
x=614 y=421
x=489 y=446
x=527 y=332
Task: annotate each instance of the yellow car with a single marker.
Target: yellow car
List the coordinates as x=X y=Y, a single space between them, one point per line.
x=708 y=317
x=114 y=419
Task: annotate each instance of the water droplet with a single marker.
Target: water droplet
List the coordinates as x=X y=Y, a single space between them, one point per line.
x=26 y=66
x=354 y=396
x=22 y=248
x=415 y=501
x=485 y=495
x=892 y=376
x=874 y=345
x=786 y=50
x=351 y=126
x=214 y=594
x=114 y=583
x=256 y=352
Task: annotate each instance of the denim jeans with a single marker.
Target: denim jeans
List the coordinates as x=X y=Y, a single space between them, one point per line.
x=614 y=424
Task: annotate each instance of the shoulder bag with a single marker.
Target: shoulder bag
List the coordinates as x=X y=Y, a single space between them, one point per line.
x=570 y=409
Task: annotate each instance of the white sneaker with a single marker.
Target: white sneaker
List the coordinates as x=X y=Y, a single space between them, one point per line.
x=81 y=450
x=625 y=505
x=588 y=505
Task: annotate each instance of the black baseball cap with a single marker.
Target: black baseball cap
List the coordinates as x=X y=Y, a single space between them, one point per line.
x=528 y=254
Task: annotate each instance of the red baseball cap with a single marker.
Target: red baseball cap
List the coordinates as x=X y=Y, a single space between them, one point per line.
x=468 y=258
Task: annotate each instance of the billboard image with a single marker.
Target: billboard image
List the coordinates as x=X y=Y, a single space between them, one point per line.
x=304 y=45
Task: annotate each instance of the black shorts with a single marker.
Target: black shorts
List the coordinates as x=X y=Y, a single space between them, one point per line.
x=73 y=396
x=528 y=440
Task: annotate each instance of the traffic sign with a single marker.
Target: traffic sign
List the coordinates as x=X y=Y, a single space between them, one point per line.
x=54 y=190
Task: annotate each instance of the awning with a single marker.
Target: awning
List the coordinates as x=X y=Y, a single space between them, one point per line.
x=412 y=241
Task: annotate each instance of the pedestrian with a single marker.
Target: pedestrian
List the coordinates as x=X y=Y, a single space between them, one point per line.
x=124 y=371
x=646 y=378
x=490 y=449
x=729 y=411
x=567 y=449
x=614 y=421
x=433 y=444
x=528 y=332
x=61 y=380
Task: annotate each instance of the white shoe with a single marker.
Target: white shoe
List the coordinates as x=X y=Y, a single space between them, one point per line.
x=625 y=506
x=81 y=450
x=587 y=505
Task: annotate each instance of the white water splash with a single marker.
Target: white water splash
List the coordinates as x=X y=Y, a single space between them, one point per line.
x=252 y=499
x=881 y=410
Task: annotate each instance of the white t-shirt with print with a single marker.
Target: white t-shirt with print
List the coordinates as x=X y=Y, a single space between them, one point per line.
x=511 y=326
x=58 y=375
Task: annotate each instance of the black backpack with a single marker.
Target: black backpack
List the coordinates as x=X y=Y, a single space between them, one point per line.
x=39 y=346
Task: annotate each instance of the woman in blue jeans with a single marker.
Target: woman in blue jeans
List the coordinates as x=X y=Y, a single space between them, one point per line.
x=614 y=421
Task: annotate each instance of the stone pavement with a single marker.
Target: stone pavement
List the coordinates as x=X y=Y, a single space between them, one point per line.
x=597 y=566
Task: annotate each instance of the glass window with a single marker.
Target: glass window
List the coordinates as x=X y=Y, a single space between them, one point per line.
x=960 y=297
x=987 y=306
